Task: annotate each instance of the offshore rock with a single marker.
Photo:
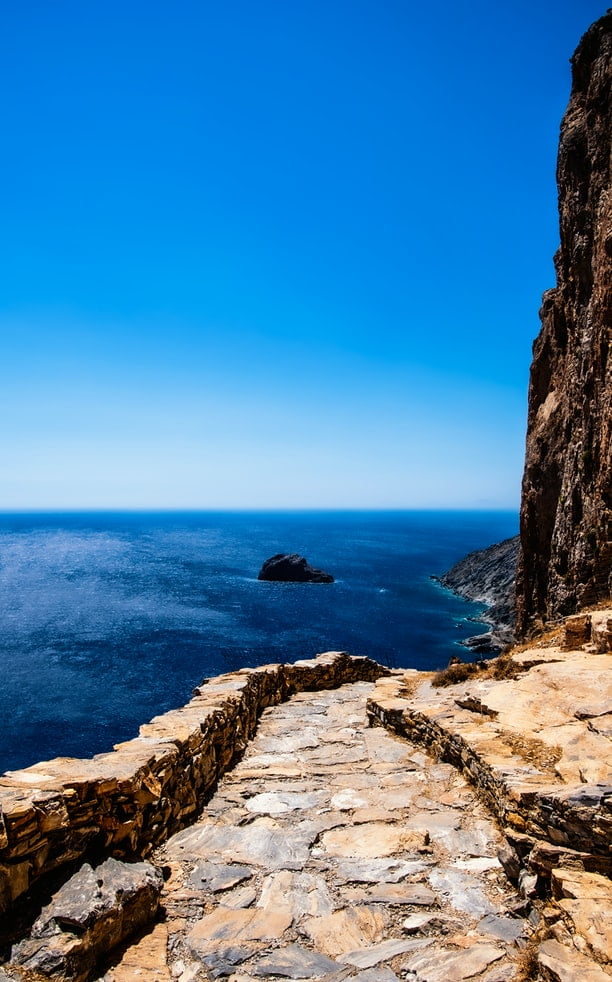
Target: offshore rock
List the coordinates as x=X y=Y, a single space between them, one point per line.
x=566 y=510
x=291 y=568
x=488 y=576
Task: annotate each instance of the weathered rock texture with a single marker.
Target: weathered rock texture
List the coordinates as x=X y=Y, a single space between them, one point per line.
x=89 y=916
x=126 y=802
x=566 y=511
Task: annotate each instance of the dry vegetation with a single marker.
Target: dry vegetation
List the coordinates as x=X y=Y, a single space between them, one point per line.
x=542 y=755
x=410 y=685
x=503 y=667
x=527 y=965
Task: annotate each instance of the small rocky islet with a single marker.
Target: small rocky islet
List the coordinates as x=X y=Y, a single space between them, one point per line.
x=289 y=567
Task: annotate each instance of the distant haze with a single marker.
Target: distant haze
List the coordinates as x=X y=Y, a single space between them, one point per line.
x=275 y=255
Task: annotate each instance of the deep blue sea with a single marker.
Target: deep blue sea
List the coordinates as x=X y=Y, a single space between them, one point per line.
x=109 y=619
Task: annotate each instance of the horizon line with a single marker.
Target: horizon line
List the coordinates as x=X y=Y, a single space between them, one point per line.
x=116 y=510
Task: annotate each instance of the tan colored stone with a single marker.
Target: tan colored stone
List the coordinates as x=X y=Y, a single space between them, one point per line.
x=586 y=898
x=236 y=926
x=297 y=893
x=578 y=885
x=146 y=959
x=371 y=840
x=559 y=963
x=345 y=930
x=593 y=921
x=444 y=965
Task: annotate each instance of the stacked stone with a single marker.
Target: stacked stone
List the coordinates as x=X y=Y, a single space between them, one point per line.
x=126 y=802
x=578 y=818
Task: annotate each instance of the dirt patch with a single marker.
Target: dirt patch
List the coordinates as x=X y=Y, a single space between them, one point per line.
x=408 y=687
x=535 y=751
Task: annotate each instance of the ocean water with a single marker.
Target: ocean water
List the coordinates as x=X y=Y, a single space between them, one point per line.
x=109 y=619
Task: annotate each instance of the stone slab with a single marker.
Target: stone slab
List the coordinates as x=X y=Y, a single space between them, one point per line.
x=442 y=965
x=345 y=930
x=462 y=890
x=218 y=876
x=294 y=962
x=562 y=964
x=373 y=955
x=377 y=870
x=262 y=844
x=300 y=894
x=372 y=840
x=236 y=926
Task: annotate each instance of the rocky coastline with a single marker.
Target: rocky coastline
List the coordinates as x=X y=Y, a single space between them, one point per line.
x=488 y=576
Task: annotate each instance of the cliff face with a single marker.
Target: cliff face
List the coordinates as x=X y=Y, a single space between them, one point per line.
x=566 y=510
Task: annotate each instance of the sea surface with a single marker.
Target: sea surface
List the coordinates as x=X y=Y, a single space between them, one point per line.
x=109 y=619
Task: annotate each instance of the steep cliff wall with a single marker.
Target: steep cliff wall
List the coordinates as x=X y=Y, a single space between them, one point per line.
x=566 y=511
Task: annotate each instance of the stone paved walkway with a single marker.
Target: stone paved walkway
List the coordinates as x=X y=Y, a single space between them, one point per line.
x=334 y=851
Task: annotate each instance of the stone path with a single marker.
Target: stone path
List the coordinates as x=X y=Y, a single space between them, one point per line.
x=334 y=851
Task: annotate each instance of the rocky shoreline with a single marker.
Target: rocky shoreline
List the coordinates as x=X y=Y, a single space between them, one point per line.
x=488 y=576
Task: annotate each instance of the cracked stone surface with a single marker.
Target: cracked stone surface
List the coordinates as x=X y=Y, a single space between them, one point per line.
x=334 y=851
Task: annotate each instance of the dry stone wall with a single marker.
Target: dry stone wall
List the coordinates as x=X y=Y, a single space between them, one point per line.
x=576 y=819
x=126 y=802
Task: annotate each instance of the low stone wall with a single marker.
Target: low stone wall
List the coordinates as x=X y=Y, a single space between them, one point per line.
x=126 y=802
x=574 y=818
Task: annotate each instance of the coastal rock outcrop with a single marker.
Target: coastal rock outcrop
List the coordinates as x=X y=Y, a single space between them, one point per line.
x=566 y=510
x=290 y=568
x=488 y=576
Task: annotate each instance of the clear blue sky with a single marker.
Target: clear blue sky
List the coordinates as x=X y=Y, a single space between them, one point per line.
x=284 y=253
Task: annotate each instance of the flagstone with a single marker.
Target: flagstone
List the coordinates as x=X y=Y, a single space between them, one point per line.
x=288 y=743
x=244 y=897
x=462 y=890
x=235 y=926
x=295 y=962
x=261 y=843
x=366 y=958
x=378 y=974
x=378 y=871
x=348 y=799
x=441 y=966
x=345 y=930
x=381 y=747
x=299 y=893
x=371 y=840
x=508 y=929
x=397 y=894
x=278 y=802
x=217 y=876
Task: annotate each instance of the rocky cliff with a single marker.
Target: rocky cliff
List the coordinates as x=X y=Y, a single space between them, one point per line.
x=566 y=511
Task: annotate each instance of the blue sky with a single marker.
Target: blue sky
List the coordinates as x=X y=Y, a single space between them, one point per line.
x=285 y=253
